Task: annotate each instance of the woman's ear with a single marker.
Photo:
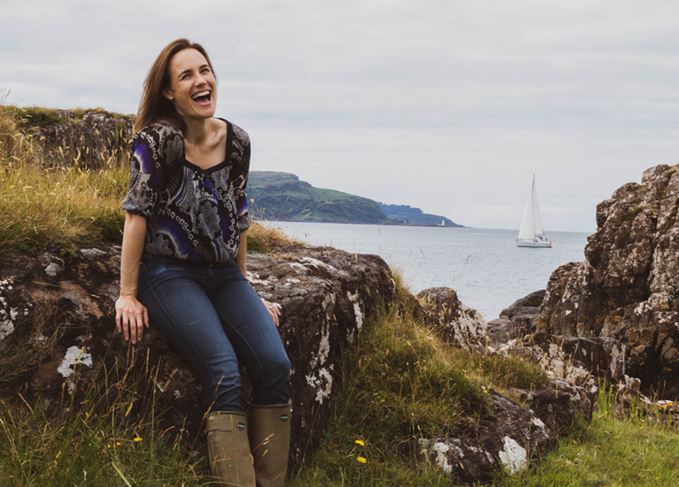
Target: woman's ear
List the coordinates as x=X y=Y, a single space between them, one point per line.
x=167 y=93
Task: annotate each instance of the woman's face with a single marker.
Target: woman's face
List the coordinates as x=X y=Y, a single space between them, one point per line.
x=193 y=87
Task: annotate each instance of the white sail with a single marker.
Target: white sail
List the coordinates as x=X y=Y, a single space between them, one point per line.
x=531 y=232
x=527 y=229
x=537 y=219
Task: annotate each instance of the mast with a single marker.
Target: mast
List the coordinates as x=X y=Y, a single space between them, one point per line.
x=528 y=223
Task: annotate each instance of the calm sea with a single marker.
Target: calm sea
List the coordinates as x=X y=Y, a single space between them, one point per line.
x=484 y=266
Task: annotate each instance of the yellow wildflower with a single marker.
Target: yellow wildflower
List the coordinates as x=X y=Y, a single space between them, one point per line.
x=137 y=439
x=361 y=459
x=359 y=442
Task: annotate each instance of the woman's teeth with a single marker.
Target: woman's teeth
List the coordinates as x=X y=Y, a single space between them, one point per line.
x=203 y=98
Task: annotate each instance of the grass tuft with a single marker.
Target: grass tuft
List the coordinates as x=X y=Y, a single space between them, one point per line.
x=109 y=434
x=401 y=384
x=265 y=239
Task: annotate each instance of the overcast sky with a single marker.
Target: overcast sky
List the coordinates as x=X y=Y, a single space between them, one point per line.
x=446 y=105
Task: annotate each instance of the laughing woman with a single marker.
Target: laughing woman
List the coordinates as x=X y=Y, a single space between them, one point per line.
x=183 y=265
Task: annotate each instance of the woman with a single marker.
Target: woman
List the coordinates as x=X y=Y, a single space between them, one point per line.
x=183 y=264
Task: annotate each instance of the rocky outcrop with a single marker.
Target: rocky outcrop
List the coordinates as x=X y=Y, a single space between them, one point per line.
x=581 y=361
x=627 y=288
x=577 y=367
x=57 y=328
x=516 y=321
x=91 y=139
x=508 y=439
x=515 y=433
x=456 y=323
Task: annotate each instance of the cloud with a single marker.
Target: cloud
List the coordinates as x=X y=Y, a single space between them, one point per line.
x=449 y=106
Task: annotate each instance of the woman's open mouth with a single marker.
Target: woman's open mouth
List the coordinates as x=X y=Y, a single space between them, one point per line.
x=203 y=98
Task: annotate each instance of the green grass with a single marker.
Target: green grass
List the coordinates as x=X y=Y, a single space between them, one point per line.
x=636 y=449
x=85 y=450
x=401 y=384
x=108 y=435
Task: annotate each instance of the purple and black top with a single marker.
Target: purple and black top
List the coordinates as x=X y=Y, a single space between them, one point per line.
x=192 y=213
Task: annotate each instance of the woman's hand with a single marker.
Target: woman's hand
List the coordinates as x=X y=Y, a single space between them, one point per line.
x=131 y=318
x=274 y=310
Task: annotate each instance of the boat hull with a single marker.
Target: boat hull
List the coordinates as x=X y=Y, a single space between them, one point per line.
x=534 y=243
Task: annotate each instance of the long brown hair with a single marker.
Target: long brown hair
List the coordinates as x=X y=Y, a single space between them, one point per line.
x=153 y=106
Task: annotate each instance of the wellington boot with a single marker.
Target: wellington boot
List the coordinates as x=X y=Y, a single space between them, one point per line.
x=229 y=449
x=270 y=440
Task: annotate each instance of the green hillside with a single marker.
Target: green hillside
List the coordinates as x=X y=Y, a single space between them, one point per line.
x=283 y=196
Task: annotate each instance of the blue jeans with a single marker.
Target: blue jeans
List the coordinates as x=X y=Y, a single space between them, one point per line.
x=213 y=317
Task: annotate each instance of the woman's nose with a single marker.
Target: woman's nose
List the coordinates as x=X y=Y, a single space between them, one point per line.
x=201 y=80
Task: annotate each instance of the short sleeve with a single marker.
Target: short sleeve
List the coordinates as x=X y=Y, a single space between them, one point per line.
x=154 y=148
x=142 y=192
x=240 y=181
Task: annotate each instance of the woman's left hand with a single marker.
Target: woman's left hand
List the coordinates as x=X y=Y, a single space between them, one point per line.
x=274 y=309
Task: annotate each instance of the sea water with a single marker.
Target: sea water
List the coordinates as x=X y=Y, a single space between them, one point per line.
x=484 y=266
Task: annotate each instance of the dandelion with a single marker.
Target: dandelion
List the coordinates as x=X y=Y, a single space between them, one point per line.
x=137 y=439
x=361 y=459
x=359 y=442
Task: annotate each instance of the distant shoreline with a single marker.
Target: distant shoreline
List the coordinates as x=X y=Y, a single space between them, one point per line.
x=515 y=230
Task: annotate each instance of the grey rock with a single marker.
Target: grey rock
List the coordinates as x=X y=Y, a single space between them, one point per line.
x=53 y=269
x=326 y=296
x=510 y=438
x=627 y=288
x=456 y=323
x=92 y=253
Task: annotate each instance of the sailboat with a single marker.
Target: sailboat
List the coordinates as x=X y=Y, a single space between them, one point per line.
x=531 y=233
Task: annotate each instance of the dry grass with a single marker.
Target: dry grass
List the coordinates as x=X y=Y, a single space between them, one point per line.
x=58 y=207
x=265 y=239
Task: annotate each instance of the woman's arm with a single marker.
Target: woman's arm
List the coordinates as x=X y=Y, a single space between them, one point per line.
x=134 y=233
x=131 y=315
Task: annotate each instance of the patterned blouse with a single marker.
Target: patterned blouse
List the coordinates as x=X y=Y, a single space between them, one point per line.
x=191 y=213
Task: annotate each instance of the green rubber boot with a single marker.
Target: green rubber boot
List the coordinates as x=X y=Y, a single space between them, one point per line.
x=270 y=440
x=229 y=449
